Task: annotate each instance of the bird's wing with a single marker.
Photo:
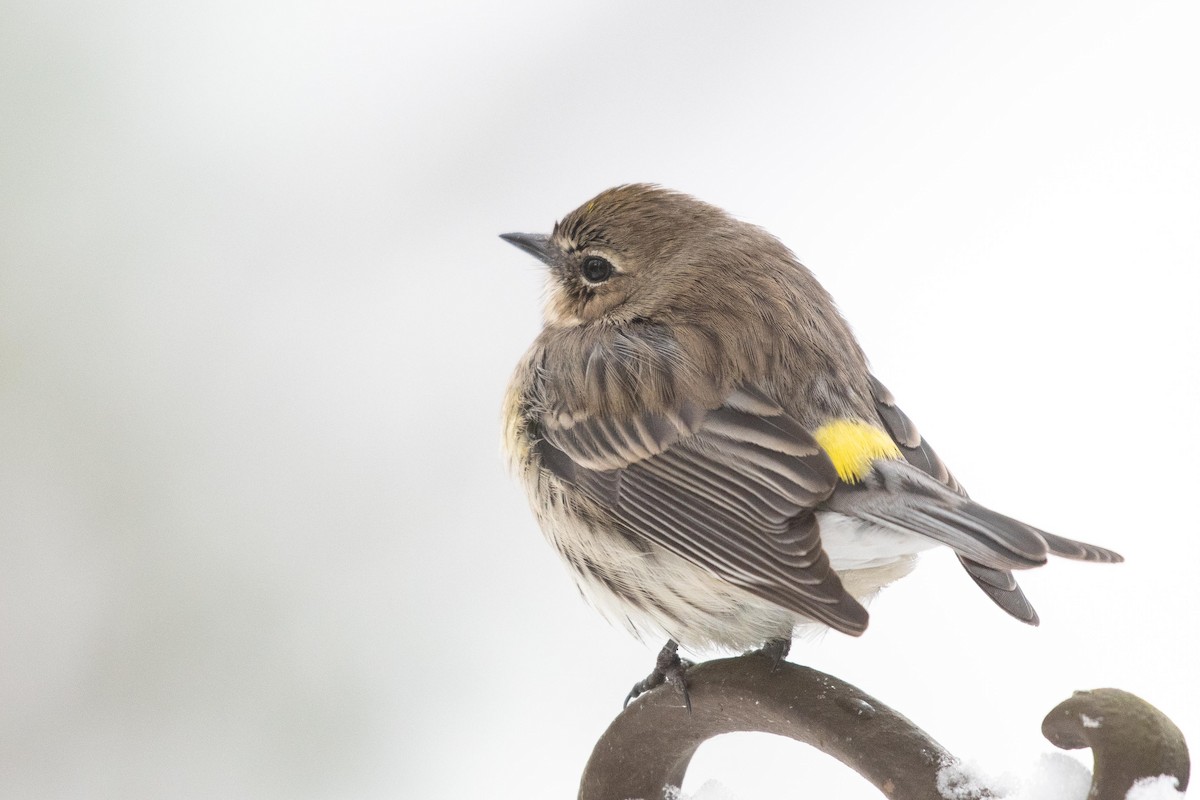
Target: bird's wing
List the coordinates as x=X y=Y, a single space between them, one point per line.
x=997 y=582
x=731 y=489
x=897 y=496
x=904 y=433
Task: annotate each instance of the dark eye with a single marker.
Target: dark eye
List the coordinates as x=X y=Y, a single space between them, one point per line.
x=596 y=269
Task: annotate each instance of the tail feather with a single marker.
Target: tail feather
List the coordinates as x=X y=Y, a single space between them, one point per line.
x=996 y=581
x=1001 y=579
x=1080 y=551
x=896 y=495
x=1002 y=588
x=989 y=545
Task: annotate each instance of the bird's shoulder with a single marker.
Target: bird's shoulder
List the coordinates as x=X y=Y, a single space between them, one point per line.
x=615 y=370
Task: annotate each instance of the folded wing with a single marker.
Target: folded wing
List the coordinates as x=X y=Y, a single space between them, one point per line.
x=995 y=579
x=731 y=489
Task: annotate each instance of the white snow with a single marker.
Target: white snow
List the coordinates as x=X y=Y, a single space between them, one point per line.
x=1161 y=788
x=1088 y=722
x=1054 y=776
x=966 y=780
x=709 y=790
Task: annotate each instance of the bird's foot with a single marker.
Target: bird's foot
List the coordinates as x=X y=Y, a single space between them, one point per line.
x=776 y=650
x=668 y=667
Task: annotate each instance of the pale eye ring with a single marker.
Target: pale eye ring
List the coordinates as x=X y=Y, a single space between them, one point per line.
x=596 y=269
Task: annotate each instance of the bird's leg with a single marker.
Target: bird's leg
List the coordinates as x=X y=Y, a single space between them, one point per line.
x=667 y=667
x=776 y=650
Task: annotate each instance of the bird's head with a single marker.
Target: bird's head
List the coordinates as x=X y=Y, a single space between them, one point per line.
x=635 y=251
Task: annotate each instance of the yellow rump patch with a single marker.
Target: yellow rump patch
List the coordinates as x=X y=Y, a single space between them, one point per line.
x=853 y=446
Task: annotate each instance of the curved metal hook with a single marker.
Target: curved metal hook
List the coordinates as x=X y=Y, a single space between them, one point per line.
x=1130 y=739
x=650 y=744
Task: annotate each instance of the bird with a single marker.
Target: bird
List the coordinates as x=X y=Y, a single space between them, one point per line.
x=702 y=440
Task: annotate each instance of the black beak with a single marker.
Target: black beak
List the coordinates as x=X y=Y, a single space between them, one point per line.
x=536 y=244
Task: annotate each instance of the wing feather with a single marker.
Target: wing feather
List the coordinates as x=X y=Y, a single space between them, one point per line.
x=731 y=489
x=992 y=576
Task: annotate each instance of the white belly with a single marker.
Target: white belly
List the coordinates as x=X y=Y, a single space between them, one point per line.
x=854 y=544
x=868 y=557
x=661 y=593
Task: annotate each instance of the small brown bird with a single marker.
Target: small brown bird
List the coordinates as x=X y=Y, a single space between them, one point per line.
x=703 y=442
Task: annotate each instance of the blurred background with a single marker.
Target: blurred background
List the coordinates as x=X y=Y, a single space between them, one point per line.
x=256 y=536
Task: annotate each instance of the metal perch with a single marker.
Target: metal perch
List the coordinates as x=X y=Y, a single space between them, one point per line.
x=650 y=744
x=1130 y=739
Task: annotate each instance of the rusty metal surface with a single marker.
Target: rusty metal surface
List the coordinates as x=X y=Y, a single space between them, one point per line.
x=650 y=744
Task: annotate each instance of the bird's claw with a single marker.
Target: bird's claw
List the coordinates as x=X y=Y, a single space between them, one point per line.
x=668 y=667
x=776 y=650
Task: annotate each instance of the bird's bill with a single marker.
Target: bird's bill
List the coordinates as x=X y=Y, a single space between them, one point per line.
x=536 y=244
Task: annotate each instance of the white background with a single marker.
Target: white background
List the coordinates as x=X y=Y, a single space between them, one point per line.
x=256 y=538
